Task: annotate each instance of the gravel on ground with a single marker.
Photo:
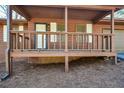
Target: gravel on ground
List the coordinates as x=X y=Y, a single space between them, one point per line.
x=82 y=74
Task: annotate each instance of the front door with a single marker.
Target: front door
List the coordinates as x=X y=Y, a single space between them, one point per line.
x=39 y=27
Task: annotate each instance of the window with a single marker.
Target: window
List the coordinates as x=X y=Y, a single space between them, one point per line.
x=80 y=28
x=21 y=28
x=4 y=33
x=53 y=28
x=61 y=28
x=89 y=30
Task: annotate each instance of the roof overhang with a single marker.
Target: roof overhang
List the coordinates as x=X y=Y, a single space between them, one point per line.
x=107 y=22
x=87 y=12
x=14 y=22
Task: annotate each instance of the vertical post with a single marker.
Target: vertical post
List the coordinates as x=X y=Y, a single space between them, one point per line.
x=66 y=64
x=66 y=29
x=112 y=31
x=66 y=39
x=8 y=59
x=113 y=37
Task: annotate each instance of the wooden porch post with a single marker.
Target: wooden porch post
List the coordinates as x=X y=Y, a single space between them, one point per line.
x=66 y=39
x=113 y=37
x=66 y=64
x=112 y=31
x=66 y=28
x=8 y=59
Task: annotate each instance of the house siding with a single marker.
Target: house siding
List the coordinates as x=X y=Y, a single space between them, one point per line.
x=3 y=45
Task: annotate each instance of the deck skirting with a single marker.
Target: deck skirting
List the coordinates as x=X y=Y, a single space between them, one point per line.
x=61 y=53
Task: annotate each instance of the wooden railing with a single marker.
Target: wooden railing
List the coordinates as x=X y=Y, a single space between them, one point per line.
x=32 y=40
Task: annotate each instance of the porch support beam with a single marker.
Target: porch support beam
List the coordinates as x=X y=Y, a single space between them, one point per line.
x=66 y=29
x=112 y=21
x=112 y=31
x=113 y=37
x=66 y=64
x=9 y=26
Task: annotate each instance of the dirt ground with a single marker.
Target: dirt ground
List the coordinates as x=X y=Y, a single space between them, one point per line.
x=83 y=73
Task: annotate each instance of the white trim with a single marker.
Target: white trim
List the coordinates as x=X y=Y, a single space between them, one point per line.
x=89 y=30
x=41 y=28
x=21 y=28
x=4 y=33
x=53 y=28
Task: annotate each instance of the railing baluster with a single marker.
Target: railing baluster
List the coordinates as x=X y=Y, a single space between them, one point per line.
x=60 y=45
x=42 y=40
x=103 y=45
x=66 y=42
x=82 y=41
x=78 y=41
x=108 y=43
x=92 y=42
x=29 y=41
x=54 y=41
x=97 y=42
x=23 y=41
x=87 y=41
x=36 y=40
x=72 y=41
x=16 y=40
x=48 y=41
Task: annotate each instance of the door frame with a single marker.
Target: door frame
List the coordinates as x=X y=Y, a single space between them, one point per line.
x=35 y=35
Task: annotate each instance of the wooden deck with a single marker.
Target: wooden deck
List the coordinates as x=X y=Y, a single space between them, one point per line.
x=28 y=43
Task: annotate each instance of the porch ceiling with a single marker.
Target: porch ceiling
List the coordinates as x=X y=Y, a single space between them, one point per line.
x=93 y=12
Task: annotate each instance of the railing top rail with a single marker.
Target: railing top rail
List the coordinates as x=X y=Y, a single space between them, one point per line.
x=58 y=32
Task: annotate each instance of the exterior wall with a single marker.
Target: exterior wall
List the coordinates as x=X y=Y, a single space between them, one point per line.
x=3 y=45
x=71 y=23
x=98 y=28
